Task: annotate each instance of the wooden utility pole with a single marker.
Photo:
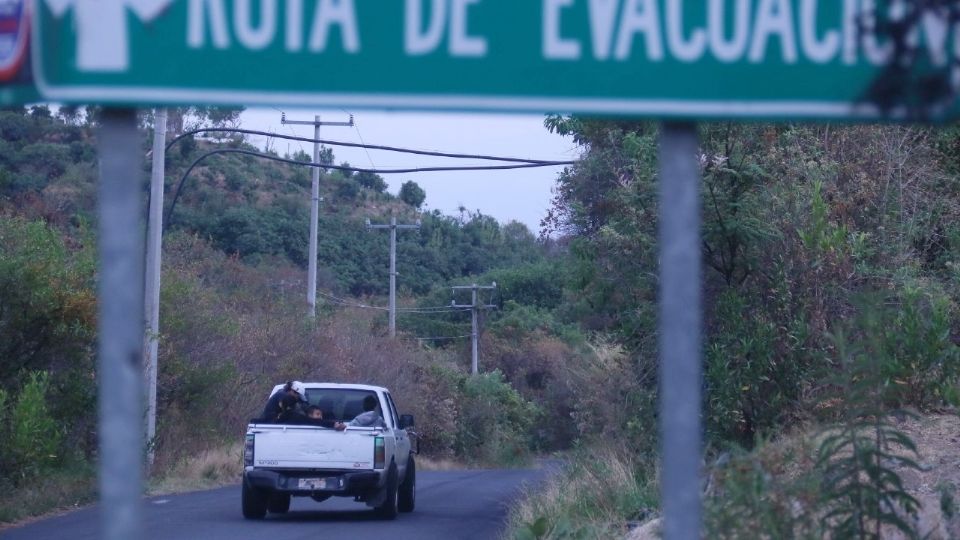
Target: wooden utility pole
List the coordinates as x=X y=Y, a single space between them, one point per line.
x=475 y=311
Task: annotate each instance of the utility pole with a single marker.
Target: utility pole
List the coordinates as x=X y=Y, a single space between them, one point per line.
x=314 y=204
x=151 y=293
x=475 y=310
x=393 y=266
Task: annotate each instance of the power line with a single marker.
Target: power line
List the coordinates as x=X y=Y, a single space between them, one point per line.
x=356 y=126
x=418 y=310
x=441 y=338
x=371 y=147
x=183 y=179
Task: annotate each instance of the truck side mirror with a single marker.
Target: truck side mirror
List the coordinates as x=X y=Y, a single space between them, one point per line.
x=406 y=421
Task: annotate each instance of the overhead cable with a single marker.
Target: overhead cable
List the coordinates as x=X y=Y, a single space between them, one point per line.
x=365 y=149
x=183 y=179
x=424 y=310
x=368 y=146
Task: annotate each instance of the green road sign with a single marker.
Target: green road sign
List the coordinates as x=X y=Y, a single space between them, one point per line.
x=665 y=58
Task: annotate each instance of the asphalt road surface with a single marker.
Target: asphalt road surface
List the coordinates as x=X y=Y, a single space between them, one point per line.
x=450 y=504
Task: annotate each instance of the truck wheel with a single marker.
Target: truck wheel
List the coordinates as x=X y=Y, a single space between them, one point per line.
x=388 y=510
x=254 y=502
x=407 y=498
x=278 y=503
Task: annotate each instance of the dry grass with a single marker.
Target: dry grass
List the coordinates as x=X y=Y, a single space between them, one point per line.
x=425 y=463
x=597 y=497
x=211 y=468
x=59 y=492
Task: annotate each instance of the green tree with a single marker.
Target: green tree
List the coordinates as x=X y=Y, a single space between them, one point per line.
x=412 y=194
x=47 y=305
x=372 y=181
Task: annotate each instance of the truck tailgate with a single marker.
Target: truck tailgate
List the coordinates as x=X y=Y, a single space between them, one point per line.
x=304 y=447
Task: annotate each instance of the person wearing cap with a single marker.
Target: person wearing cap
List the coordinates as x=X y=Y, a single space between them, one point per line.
x=284 y=403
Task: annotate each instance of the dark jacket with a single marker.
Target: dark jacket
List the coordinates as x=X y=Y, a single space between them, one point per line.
x=280 y=407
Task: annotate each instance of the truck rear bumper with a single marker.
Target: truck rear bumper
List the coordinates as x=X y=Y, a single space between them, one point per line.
x=312 y=482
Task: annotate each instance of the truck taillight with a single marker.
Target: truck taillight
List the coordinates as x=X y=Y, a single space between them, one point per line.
x=379 y=453
x=248 y=451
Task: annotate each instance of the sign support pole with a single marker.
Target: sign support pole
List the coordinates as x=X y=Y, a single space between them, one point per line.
x=680 y=328
x=120 y=325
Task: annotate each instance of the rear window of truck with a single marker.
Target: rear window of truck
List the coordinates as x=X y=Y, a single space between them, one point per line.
x=340 y=403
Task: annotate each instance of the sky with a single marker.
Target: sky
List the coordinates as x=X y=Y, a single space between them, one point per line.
x=522 y=195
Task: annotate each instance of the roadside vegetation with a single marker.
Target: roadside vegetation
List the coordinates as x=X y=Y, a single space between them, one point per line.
x=831 y=304
x=831 y=290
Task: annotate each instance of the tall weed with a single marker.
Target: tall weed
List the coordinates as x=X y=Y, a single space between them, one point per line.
x=860 y=462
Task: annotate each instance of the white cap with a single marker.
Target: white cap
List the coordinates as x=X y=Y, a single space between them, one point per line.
x=298 y=387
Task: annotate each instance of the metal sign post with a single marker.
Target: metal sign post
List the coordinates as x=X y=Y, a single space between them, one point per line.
x=680 y=320
x=121 y=325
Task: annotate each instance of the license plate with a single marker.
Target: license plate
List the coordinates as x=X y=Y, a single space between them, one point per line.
x=313 y=483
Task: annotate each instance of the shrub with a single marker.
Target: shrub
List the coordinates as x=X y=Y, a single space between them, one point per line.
x=48 y=303
x=47 y=159
x=920 y=361
x=751 y=385
x=35 y=437
x=615 y=396
x=440 y=397
x=346 y=189
x=495 y=421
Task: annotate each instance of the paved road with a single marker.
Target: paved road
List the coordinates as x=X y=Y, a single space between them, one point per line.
x=450 y=504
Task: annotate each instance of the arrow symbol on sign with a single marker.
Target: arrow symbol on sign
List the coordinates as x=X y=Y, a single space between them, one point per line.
x=103 y=43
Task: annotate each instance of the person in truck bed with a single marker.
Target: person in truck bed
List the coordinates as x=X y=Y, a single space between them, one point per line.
x=369 y=417
x=284 y=403
x=315 y=417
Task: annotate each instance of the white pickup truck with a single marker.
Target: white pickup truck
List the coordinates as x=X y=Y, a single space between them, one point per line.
x=374 y=465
